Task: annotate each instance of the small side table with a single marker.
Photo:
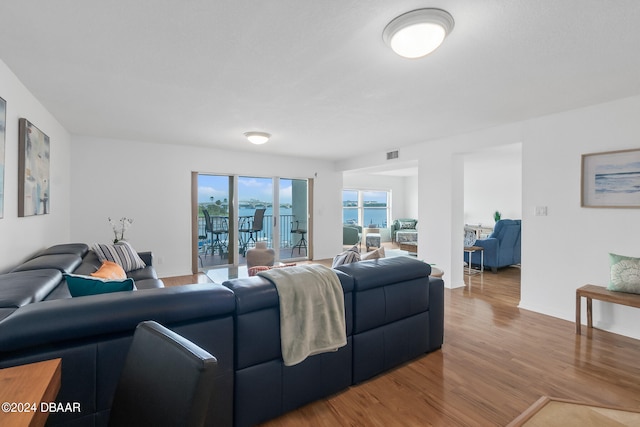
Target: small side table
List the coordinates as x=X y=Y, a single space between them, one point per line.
x=470 y=250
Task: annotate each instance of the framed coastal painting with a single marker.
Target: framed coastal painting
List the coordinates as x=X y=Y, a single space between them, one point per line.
x=3 y=121
x=611 y=179
x=33 y=170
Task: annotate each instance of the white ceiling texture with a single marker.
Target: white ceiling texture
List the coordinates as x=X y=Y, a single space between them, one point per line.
x=314 y=73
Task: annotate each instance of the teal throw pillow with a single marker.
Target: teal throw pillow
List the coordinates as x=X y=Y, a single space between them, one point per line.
x=80 y=286
x=625 y=274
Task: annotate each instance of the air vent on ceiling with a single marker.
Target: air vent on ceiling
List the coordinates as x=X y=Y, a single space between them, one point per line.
x=392 y=155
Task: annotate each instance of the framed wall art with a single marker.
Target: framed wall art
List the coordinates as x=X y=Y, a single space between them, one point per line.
x=3 y=121
x=33 y=170
x=611 y=179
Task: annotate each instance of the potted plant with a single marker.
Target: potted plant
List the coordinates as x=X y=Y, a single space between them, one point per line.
x=496 y=216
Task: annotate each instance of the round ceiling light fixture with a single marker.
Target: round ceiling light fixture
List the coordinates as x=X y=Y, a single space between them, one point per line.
x=418 y=33
x=257 y=137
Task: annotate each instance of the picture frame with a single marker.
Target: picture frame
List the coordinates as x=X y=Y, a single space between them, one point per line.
x=611 y=179
x=33 y=170
x=3 y=127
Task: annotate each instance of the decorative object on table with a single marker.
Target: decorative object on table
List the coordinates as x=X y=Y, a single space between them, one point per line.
x=119 y=227
x=260 y=255
x=33 y=170
x=3 y=121
x=611 y=179
x=496 y=216
x=624 y=274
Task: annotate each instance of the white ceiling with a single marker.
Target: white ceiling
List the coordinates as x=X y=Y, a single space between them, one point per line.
x=314 y=73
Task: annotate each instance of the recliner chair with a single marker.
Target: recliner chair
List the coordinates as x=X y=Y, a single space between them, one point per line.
x=502 y=248
x=166 y=381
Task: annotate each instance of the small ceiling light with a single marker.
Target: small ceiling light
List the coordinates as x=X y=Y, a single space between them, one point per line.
x=418 y=33
x=257 y=137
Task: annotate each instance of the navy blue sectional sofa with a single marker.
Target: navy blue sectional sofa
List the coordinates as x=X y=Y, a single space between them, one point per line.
x=394 y=313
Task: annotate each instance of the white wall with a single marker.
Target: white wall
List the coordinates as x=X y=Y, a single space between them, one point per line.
x=151 y=183
x=21 y=238
x=411 y=197
x=561 y=251
x=493 y=181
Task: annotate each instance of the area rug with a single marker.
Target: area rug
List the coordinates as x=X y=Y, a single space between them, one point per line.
x=551 y=412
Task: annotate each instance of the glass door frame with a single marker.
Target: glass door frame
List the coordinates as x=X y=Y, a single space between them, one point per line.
x=234 y=258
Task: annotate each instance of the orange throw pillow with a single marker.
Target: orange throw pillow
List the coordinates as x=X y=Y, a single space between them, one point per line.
x=110 y=270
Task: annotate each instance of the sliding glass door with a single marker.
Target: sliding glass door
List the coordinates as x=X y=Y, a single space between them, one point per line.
x=233 y=213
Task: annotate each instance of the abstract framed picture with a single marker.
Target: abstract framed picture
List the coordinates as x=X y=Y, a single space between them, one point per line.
x=611 y=179
x=3 y=121
x=33 y=170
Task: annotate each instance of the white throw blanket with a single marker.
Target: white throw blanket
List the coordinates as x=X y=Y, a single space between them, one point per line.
x=311 y=311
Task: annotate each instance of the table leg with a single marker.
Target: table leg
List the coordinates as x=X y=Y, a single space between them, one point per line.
x=589 y=312
x=578 y=312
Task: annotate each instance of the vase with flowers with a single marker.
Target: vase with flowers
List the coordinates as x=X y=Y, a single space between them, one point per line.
x=119 y=227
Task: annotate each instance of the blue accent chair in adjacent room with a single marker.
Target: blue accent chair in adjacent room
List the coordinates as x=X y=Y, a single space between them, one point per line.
x=502 y=248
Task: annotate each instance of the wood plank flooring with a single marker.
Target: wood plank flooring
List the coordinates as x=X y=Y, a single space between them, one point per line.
x=496 y=361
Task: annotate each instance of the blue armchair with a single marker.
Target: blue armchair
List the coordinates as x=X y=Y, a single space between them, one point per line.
x=501 y=248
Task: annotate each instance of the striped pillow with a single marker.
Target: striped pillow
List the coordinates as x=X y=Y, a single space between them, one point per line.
x=346 y=257
x=121 y=253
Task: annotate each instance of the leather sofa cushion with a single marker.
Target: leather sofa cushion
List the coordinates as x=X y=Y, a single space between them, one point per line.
x=149 y=284
x=71 y=319
x=143 y=274
x=384 y=271
x=24 y=287
x=79 y=249
x=257 y=318
x=66 y=263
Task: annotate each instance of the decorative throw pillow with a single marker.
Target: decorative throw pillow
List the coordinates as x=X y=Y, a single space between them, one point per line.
x=80 y=286
x=121 y=253
x=378 y=253
x=347 y=257
x=625 y=274
x=110 y=270
x=258 y=268
x=407 y=225
x=470 y=237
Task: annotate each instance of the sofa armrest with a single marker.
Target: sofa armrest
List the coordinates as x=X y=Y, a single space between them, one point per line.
x=147 y=257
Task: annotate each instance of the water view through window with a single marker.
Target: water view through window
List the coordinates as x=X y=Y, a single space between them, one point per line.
x=365 y=208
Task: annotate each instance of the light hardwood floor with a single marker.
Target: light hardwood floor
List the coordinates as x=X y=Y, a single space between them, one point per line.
x=496 y=361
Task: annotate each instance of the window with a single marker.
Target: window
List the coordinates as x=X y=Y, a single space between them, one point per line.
x=366 y=207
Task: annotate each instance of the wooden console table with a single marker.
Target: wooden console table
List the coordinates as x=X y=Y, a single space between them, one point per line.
x=591 y=292
x=22 y=390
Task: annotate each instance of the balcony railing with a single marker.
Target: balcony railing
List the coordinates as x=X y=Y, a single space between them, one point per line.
x=287 y=238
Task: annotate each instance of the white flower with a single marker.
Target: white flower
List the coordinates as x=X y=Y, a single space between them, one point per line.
x=119 y=227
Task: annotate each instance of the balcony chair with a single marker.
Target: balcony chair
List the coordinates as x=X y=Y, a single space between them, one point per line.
x=251 y=227
x=302 y=243
x=166 y=381
x=215 y=226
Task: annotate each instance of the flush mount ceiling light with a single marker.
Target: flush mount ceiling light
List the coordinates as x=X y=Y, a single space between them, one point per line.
x=257 y=137
x=418 y=33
